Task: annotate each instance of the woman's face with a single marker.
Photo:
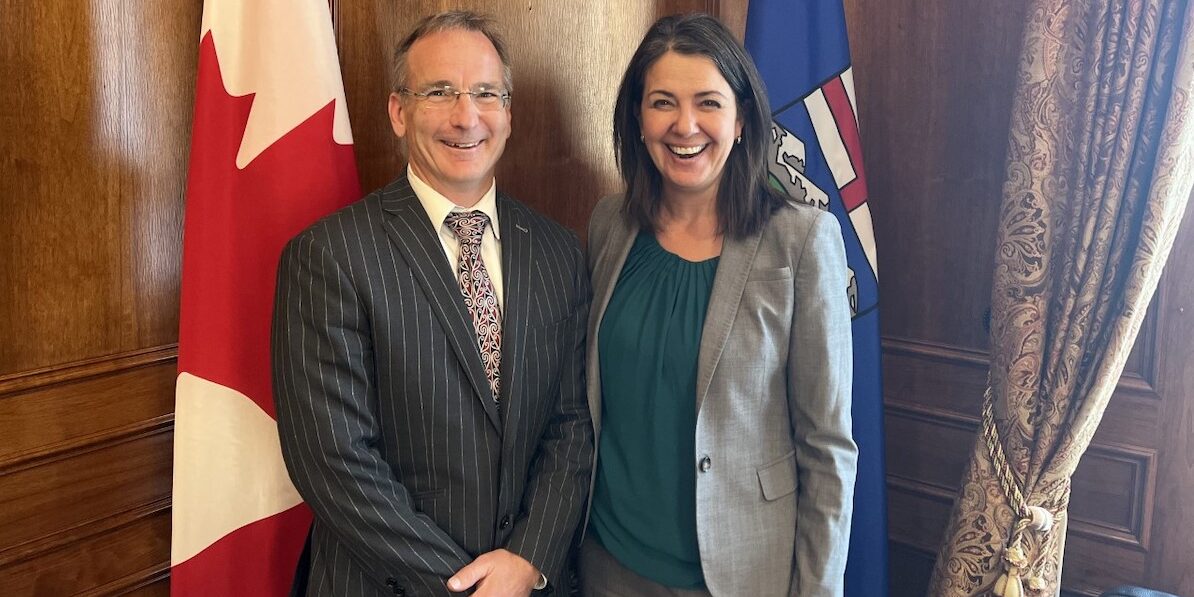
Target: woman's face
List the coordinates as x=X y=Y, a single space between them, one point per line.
x=689 y=119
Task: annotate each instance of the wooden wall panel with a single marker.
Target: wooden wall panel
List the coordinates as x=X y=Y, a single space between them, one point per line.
x=121 y=402
x=910 y=569
x=96 y=110
x=1113 y=495
x=1091 y=568
x=919 y=513
x=95 y=115
x=158 y=588
x=928 y=463
x=48 y=498
x=934 y=83
x=1172 y=529
x=105 y=564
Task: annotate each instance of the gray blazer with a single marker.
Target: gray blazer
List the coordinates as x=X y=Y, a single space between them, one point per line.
x=388 y=424
x=774 y=456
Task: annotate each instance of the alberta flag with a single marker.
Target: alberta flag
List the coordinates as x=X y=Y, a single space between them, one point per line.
x=271 y=152
x=801 y=50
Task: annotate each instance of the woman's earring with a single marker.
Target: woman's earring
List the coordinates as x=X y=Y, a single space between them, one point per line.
x=642 y=139
x=738 y=140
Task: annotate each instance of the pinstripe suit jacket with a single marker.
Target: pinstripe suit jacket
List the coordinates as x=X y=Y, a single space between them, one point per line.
x=775 y=459
x=388 y=425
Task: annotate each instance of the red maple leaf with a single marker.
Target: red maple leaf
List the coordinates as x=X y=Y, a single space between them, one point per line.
x=237 y=222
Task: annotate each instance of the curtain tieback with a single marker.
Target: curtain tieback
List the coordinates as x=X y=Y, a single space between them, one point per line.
x=1035 y=518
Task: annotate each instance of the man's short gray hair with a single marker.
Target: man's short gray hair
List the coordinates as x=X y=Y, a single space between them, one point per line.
x=447 y=21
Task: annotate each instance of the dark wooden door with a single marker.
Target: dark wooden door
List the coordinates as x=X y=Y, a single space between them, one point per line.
x=934 y=85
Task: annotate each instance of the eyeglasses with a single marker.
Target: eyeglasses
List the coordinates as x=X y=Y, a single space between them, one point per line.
x=445 y=96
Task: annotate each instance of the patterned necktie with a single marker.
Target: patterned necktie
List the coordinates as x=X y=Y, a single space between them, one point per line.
x=478 y=292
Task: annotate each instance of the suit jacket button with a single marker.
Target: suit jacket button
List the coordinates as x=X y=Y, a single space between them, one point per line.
x=505 y=524
x=390 y=582
x=706 y=464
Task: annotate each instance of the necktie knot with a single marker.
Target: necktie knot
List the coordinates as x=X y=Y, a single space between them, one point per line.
x=468 y=226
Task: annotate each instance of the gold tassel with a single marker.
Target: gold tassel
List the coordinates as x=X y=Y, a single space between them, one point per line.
x=1009 y=584
x=1001 y=585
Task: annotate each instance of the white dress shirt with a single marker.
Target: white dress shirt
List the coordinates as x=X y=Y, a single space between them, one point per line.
x=438 y=207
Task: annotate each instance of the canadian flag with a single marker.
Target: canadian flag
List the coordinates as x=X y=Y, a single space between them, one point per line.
x=271 y=152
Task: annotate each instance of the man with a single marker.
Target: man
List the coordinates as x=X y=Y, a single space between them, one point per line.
x=428 y=353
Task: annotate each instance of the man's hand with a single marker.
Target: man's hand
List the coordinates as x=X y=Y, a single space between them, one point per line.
x=499 y=573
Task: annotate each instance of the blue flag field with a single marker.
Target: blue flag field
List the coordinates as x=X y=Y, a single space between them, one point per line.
x=801 y=49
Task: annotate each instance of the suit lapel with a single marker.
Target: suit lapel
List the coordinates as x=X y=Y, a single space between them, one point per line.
x=516 y=288
x=737 y=256
x=411 y=231
x=618 y=242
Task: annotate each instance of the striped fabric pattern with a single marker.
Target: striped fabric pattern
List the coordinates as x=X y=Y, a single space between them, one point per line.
x=389 y=427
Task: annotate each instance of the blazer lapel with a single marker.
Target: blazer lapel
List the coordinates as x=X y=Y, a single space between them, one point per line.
x=516 y=277
x=737 y=256
x=419 y=244
x=612 y=256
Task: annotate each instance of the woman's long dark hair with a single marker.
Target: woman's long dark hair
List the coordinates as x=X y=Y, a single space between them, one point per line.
x=745 y=199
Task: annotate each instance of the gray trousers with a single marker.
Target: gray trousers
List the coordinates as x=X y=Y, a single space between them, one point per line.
x=601 y=575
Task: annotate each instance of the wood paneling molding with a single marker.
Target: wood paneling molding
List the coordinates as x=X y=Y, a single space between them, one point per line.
x=158 y=586
x=935 y=351
x=919 y=513
x=1131 y=382
x=79 y=446
x=933 y=471
x=928 y=446
x=64 y=494
x=110 y=556
x=919 y=488
x=1134 y=497
x=90 y=408
x=80 y=370
x=83 y=532
x=1092 y=565
x=153 y=577
x=937 y=416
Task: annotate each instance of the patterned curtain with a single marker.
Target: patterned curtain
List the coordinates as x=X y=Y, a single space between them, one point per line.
x=1100 y=168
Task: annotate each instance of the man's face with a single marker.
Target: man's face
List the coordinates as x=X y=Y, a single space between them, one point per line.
x=453 y=147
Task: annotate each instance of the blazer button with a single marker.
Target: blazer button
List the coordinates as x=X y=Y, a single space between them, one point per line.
x=505 y=524
x=706 y=464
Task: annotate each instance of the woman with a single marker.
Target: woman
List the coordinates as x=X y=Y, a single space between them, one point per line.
x=719 y=355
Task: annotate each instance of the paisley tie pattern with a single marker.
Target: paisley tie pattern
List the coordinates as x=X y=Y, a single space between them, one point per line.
x=479 y=295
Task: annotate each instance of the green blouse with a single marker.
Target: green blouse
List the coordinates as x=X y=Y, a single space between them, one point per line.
x=644 y=502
